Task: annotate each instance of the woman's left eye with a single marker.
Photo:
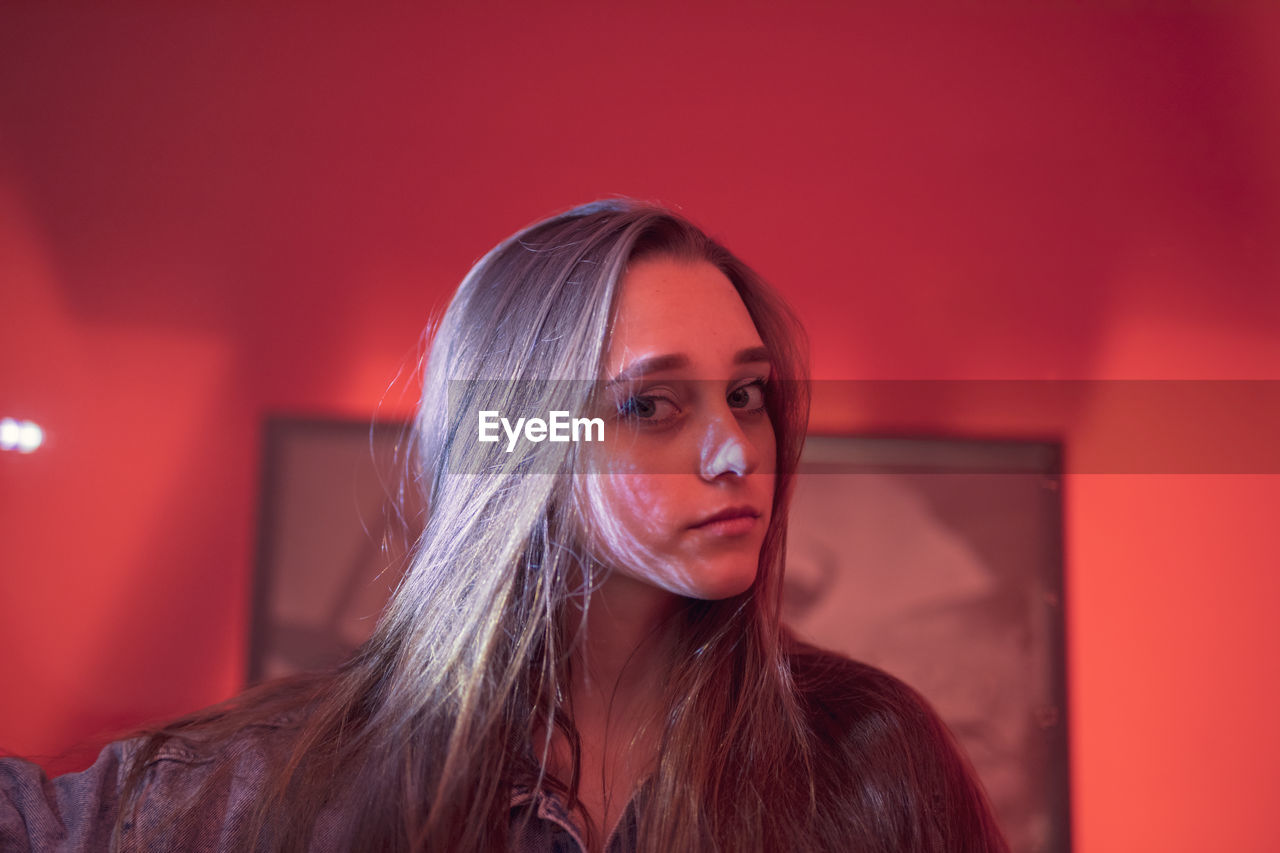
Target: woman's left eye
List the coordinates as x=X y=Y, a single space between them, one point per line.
x=749 y=397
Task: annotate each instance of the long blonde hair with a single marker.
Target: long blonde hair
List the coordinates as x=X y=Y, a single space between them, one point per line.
x=478 y=624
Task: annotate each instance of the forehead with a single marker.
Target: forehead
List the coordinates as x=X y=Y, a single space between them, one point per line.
x=673 y=306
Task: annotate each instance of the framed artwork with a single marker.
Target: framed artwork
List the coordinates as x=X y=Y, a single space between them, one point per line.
x=938 y=560
x=332 y=540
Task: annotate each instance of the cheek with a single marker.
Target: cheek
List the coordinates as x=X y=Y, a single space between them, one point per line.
x=627 y=516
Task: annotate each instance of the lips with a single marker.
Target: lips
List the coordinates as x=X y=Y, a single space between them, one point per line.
x=727 y=514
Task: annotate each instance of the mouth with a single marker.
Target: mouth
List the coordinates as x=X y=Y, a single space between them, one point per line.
x=731 y=521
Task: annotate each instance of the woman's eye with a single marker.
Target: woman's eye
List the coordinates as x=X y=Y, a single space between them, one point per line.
x=749 y=397
x=646 y=408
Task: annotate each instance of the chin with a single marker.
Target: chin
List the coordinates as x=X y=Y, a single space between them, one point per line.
x=717 y=582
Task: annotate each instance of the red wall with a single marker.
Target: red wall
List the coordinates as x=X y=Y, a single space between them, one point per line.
x=208 y=216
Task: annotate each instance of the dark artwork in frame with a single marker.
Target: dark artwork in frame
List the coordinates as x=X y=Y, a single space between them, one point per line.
x=334 y=514
x=936 y=559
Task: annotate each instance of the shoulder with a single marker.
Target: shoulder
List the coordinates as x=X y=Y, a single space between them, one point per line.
x=169 y=775
x=866 y=718
x=884 y=757
x=842 y=695
x=255 y=741
x=191 y=786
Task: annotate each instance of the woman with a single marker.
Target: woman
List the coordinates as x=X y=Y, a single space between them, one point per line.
x=585 y=652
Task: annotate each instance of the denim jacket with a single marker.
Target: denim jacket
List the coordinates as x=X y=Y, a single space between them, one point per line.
x=78 y=811
x=860 y=714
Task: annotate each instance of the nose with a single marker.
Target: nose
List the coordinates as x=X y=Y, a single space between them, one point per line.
x=726 y=449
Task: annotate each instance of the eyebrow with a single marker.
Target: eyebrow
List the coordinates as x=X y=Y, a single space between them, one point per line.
x=676 y=361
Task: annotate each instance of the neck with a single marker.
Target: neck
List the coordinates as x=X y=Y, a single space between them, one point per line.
x=626 y=654
x=619 y=674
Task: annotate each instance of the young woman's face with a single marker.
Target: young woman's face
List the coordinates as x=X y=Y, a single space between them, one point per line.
x=680 y=493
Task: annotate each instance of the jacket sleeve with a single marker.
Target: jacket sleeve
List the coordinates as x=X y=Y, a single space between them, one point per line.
x=193 y=793
x=74 y=812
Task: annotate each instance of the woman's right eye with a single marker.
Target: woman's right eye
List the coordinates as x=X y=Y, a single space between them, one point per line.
x=647 y=408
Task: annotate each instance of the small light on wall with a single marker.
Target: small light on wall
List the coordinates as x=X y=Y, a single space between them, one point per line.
x=22 y=436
